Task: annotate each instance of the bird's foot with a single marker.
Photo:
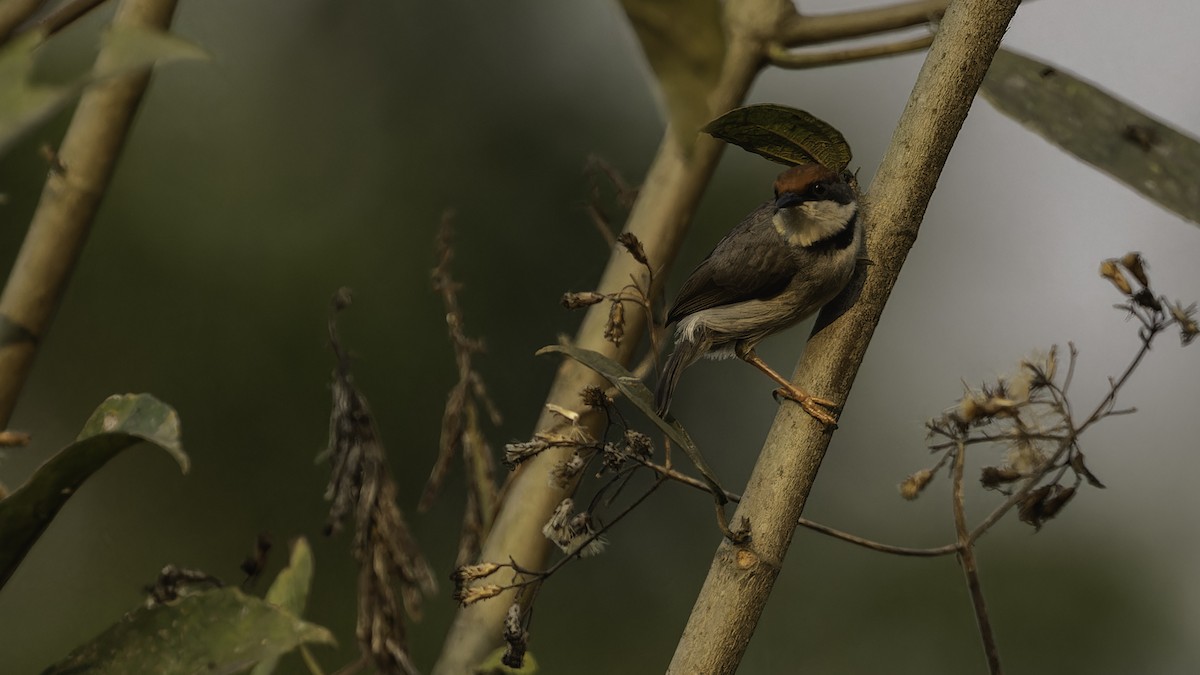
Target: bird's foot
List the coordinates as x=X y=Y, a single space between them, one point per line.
x=822 y=409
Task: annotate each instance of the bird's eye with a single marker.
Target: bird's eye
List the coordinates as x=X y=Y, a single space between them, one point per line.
x=819 y=189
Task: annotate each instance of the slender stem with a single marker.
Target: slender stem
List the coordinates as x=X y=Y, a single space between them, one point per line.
x=801 y=30
x=966 y=557
x=876 y=546
x=781 y=57
x=685 y=479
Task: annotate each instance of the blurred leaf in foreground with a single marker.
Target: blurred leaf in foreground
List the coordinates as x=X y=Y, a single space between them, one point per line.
x=684 y=41
x=23 y=103
x=216 y=631
x=1097 y=127
x=119 y=422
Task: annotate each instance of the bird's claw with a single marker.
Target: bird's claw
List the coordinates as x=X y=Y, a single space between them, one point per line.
x=822 y=409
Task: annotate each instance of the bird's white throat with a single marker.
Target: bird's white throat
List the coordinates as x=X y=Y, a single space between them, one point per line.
x=810 y=222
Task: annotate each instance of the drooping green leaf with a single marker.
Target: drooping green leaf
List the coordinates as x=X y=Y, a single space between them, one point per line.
x=290 y=592
x=23 y=103
x=638 y=394
x=127 y=48
x=1144 y=153
x=216 y=631
x=119 y=422
x=783 y=134
x=684 y=42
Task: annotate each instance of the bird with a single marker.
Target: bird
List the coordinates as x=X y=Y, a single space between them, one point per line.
x=781 y=264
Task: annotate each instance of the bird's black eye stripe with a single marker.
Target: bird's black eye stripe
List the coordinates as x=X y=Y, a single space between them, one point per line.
x=818 y=189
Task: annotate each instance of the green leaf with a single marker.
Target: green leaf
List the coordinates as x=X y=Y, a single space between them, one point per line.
x=23 y=104
x=217 y=631
x=684 y=41
x=290 y=592
x=783 y=134
x=1099 y=128
x=119 y=422
x=127 y=48
x=640 y=396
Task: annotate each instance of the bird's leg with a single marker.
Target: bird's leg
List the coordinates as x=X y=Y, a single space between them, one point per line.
x=819 y=408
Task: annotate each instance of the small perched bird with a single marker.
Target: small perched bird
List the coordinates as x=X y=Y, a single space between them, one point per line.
x=783 y=262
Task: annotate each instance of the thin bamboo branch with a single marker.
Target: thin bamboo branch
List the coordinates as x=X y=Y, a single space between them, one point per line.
x=672 y=189
x=13 y=13
x=66 y=14
x=800 y=30
x=779 y=56
x=68 y=205
x=741 y=577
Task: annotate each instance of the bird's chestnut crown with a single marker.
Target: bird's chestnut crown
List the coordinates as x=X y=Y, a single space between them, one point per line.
x=810 y=182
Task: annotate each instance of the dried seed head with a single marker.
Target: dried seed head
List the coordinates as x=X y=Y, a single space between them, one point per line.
x=473 y=572
x=580 y=300
x=565 y=413
x=1146 y=299
x=515 y=453
x=995 y=476
x=1044 y=503
x=594 y=397
x=1025 y=457
x=912 y=486
x=638 y=444
x=14 y=439
x=564 y=472
x=614 y=330
x=1185 y=317
x=573 y=534
x=1136 y=265
x=470 y=595
x=1110 y=271
x=635 y=248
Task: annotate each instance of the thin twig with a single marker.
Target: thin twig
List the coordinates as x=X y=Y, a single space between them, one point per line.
x=779 y=55
x=799 y=30
x=876 y=546
x=966 y=557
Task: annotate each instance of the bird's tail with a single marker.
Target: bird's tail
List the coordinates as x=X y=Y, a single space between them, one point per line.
x=685 y=354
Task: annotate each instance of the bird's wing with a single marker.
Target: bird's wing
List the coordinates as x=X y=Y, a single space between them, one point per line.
x=752 y=262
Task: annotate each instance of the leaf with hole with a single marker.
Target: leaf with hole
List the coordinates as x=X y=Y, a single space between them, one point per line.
x=120 y=422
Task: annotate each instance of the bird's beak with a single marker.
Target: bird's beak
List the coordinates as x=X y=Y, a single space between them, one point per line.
x=787 y=200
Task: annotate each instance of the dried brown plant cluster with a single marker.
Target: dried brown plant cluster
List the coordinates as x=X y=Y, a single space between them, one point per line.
x=1030 y=417
x=466 y=403
x=614 y=459
x=361 y=486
